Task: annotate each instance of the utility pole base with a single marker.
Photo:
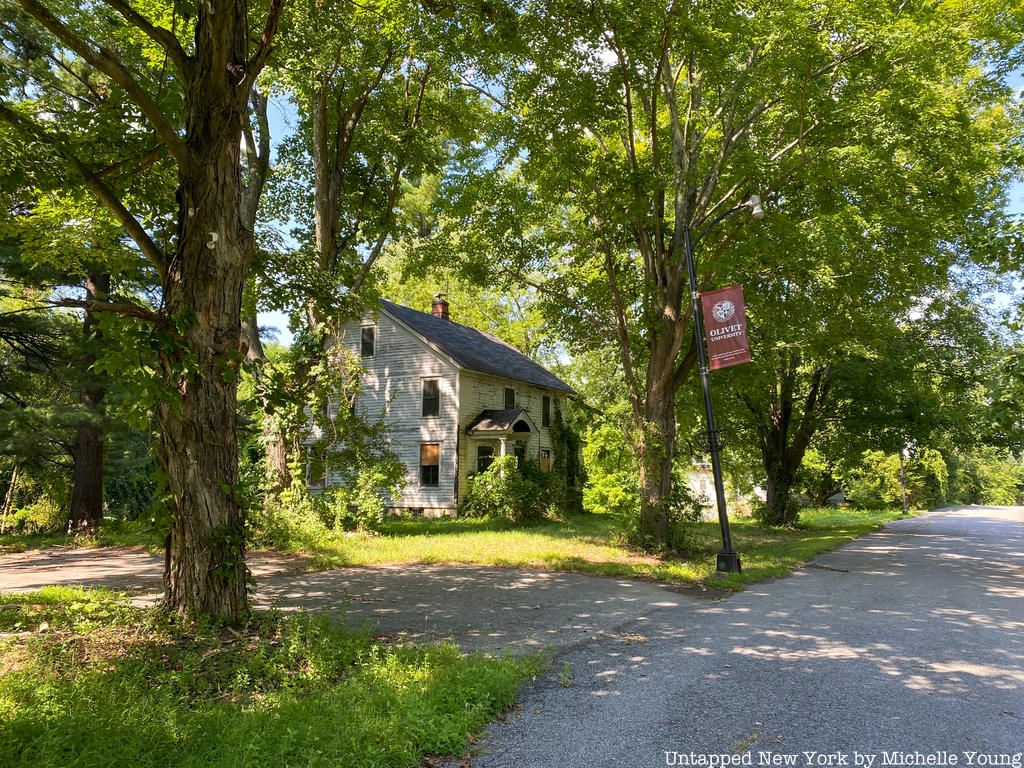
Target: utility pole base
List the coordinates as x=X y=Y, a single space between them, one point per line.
x=729 y=562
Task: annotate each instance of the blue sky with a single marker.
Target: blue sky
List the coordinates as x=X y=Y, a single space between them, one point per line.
x=283 y=118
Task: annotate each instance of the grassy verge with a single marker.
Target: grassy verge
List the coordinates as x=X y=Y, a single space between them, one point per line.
x=112 y=533
x=87 y=680
x=587 y=544
x=584 y=543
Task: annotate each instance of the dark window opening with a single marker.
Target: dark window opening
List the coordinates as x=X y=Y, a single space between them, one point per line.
x=430 y=460
x=510 y=398
x=484 y=457
x=520 y=426
x=316 y=472
x=545 y=411
x=520 y=452
x=431 y=397
x=369 y=341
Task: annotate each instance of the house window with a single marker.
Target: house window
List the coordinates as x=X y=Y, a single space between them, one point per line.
x=510 y=398
x=484 y=457
x=325 y=409
x=520 y=452
x=316 y=472
x=545 y=411
x=545 y=460
x=430 y=460
x=369 y=341
x=431 y=397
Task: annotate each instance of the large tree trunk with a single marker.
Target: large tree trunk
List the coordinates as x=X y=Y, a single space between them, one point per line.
x=658 y=441
x=276 y=447
x=779 y=491
x=785 y=441
x=203 y=286
x=87 y=483
x=657 y=454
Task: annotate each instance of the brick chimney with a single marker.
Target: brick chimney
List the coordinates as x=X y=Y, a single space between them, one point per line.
x=440 y=307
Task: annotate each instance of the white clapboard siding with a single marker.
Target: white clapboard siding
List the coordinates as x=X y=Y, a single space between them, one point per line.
x=480 y=392
x=392 y=388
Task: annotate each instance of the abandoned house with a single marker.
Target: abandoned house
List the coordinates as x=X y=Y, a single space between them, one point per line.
x=453 y=397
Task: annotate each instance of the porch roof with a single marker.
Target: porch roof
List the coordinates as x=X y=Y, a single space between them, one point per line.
x=511 y=421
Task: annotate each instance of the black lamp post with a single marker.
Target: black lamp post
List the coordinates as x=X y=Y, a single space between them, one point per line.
x=728 y=559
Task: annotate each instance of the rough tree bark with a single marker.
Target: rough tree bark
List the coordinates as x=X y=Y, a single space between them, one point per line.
x=203 y=287
x=202 y=278
x=658 y=448
x=87 y=481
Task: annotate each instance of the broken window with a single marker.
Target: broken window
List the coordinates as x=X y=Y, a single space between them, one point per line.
x=430 y=460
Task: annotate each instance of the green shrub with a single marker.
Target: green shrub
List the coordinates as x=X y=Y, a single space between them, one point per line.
x=784 y=515
x=684 y=508
x=302 y=516
x=987 y=475
x=876 y=483
x=613 y=493
x=509 y=489
x=41 y=516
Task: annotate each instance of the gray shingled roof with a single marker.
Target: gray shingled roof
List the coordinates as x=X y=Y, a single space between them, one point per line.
x=476 y=350
x=495 y=421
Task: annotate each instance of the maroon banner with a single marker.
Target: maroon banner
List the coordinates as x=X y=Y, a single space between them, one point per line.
x=725 y=327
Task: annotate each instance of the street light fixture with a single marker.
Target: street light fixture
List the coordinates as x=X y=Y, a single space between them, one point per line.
x=756 y=211
x=728 y=559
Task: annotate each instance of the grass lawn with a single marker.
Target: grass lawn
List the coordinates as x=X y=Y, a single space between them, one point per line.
x=584 y=543
x=87 y=680
x=587 y=543
x=112 y=533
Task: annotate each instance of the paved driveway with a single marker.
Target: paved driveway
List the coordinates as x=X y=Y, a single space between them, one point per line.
x=476 y=607
x=907 y=640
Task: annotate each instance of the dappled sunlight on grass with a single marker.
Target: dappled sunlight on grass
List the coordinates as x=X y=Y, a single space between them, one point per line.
x=112 y=533
x=590 y=544
x=583 y=543
x=108 y=684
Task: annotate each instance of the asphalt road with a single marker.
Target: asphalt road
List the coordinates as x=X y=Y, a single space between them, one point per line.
x=908 y=641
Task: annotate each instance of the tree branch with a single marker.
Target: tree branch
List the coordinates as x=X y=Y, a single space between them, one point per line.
x=255 y=64
x=162 y=37
x=257 y=153
x=122 y=307
x=94 y=183
x=622 y=329
x=107 y=63
x=412 y=123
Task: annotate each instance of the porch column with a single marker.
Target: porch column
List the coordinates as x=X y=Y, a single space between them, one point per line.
x=504 y=446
